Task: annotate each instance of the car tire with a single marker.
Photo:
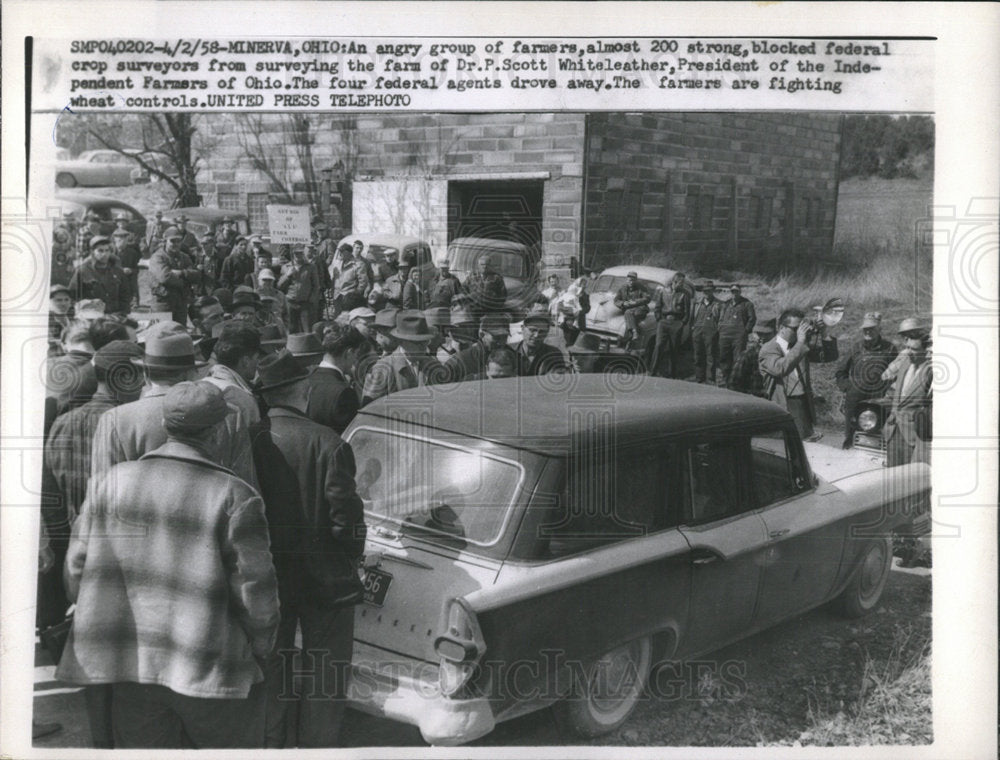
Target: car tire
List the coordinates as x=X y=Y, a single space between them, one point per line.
x=865 y=588
x=614 y=684
x=65 y=179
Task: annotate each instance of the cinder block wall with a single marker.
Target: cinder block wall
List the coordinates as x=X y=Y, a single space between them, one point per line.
x=711 y=190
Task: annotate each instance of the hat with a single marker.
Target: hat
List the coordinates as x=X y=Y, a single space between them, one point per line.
x=913 y=325
x=386 y=318
x=586 y=343
x=411 y=325
x=708 y=285
x=735 y=286
x=362 y=311
x=279 y=369
x=872 y=319
x=99 y=240
x=539 y=313
x=171 y=232
x=304 y=345
x=191 y=407
x=182 y=218
x=271 y=337
x=438 y=316
x=90 y=308
x=632 y=274
x=495 y=322
x=462 y=316
x=224 y=296
x=238 y=333
x=57 y=288
x=245 y=296
x=117 y=233
x=117 y=353
x=168 y=346
x=265 y=274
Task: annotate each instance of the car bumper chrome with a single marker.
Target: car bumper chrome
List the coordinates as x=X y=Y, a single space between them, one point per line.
x=407 y=691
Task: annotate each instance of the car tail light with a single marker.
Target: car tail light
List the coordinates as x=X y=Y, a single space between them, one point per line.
x=867 y=420
x=460 y=647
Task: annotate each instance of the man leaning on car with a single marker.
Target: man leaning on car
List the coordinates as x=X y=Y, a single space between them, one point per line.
x=632 y=299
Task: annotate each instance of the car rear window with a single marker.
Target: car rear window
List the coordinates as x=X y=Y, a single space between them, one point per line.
x=435 y=488
x=508 y=263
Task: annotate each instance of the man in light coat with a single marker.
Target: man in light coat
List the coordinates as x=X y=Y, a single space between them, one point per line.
x=175 y=589
x=908 y=429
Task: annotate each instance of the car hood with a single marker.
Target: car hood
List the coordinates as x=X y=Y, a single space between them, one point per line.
x=833 y=463
x=604 y=316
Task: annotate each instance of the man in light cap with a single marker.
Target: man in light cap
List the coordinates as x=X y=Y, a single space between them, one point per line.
x=172 y=276
x=362 y=319
x=129 y=431
x=100 y=276
x=859 y=371
x=175 y=589
x=908 y=429
x=266 y=287
x=318 y=534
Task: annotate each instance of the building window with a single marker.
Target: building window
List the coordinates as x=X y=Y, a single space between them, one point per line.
x=760 y=212
x=699 y=209
x=229 y=201
x=257 y=211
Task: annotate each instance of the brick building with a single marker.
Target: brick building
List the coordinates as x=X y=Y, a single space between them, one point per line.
x=705 y=190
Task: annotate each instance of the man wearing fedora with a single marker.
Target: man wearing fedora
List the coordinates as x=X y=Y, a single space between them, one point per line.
x=172 y=277
x=175 y=589
x=494 y=331
x=100 y=276
x=306 y=348
x=533 y=355
x=246 y=303
x=318 y=534
x=908 y=429
x=334 y=400
x=859 y=371
x=410 y=365
x=131 y=430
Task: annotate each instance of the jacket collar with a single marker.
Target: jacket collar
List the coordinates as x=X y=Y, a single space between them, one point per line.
x=286 y=411
x=184 y=452
x=226 y=375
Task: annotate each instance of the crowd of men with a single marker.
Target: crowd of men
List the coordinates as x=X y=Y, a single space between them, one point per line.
x=199 y=503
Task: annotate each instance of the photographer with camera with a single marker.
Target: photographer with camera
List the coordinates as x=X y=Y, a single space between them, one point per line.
x=784 y=363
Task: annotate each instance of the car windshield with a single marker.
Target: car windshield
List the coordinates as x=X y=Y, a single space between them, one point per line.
x=431 y=487
x=463 y=258
x=381 y=252
x=609 y=283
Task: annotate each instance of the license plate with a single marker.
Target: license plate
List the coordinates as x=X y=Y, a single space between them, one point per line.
x=376 y=586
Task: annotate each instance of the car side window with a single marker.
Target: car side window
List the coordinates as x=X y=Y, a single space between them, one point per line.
x=777 y=469
x=715 y=479
x=628 y=495
x=423 y=255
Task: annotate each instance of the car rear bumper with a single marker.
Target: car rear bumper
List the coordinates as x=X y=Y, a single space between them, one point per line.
x=391 y=686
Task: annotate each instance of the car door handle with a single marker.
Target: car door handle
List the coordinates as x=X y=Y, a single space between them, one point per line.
x=779 y=533
x=703 y=557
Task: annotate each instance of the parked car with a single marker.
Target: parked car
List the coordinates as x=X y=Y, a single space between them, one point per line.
x=81 y=202
x=869 y=434
x=517 y=263
x=404 y=248
x=606 y=319
x=95 y=168
x=202 y=219
x=536 y=543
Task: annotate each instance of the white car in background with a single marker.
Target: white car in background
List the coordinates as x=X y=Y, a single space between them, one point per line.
x=95 y=168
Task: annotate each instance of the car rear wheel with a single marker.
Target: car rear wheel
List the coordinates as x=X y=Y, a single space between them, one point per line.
x=65 y=179
x=865 y=589
x=606 y=692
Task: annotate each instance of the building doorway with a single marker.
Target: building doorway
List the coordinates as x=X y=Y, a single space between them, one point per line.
x=498 y=209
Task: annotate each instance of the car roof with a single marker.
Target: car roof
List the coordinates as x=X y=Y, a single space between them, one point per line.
x=532 y=412
x=94 y=201
x=480 y=242
x=386 y=239
x=656 y=274
x=203 y=213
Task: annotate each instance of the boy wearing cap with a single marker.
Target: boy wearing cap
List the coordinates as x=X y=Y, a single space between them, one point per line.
x=175 y=589
x=129 y=431
x=318 y=534
x=859 y=371
x=100 y=276
x=908 y=429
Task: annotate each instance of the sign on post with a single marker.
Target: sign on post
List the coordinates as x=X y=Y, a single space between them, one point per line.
x=288 y=224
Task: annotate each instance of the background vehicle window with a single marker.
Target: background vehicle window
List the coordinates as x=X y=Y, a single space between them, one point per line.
x=777 y=470
x=628 y=495
x=714 y=475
